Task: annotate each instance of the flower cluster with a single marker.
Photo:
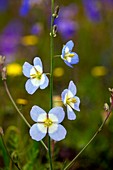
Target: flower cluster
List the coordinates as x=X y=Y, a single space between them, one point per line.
x=49 y=123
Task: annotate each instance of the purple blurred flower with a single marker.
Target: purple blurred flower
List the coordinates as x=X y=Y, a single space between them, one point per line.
x=10 y=38
x=24 y=8
x=3 y=5
x=36 y=29
x=67 y=26
x=92 y=9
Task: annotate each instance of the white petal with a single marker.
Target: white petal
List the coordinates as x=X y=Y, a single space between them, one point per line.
x=59 y=134
x=35 y=112
x=35 y=133
x=58 y=112
x=53 y=118
x=42 y=128
x=42 y=117
x=30 y=88
x=66 y=50
x=53 y=128
x=70 y=113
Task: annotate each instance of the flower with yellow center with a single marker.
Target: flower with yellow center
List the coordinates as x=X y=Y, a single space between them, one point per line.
x=70 y=100
x=68 y=56
x=37 y=79
x=47 y=123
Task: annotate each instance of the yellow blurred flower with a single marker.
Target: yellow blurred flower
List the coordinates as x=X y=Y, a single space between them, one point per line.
x=57 y=101
x=58 y=72
x=14 y=69
x=21 y=101
x=99 y=71
x=29 y=40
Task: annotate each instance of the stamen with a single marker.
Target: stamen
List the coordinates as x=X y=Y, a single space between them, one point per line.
x=71 y=100
x=48 y=122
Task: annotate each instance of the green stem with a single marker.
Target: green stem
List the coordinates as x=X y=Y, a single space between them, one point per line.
x=96 y=133
x=14 y=104
x=51 y=77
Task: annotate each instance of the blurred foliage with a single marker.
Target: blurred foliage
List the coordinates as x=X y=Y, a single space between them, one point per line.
x=22 y=37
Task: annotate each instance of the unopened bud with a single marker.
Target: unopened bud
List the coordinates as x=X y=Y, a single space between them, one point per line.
x=2 y=60
x=54 y=30
x=4 y=73
x=106 y=107
x=55 y=15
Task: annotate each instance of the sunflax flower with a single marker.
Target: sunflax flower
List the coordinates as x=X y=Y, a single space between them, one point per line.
x=47 y=123
x=36 y=76
x=70 y=100
x=68 y=56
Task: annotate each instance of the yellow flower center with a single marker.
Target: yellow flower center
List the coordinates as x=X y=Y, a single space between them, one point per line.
x=48 y=122
x=37 y=74
x=71 y=100
x=71 y=55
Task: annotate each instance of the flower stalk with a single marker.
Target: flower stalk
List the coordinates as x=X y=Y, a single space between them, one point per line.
x=21 y=115
x=108 y=112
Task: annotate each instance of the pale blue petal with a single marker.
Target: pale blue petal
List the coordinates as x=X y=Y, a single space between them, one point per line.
x=63 y=52
x=70 y=45
x=72 y=88
x=63 y=94
x=75 y=59
x=37 y=61
x=67 y=63
x=35 y=112
x=26 y=69
x=35 y=133
x=70 y=113
x=46 y=82
x=76 y=105
x=30 y=88
x=59 y=134
x=58 y=112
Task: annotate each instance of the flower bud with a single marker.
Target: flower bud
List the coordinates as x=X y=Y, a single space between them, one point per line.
x=106 y=107
x=4 y=73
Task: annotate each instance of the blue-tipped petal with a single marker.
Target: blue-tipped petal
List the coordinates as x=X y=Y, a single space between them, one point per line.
x=76 y=105
x=63 y=52
x=30 y=88
x=35 y=112
x=70 y=45
x=58 y=112
x=63 y=95
x=72 y=88
x=26 y=69
x=46 y=82
x=37 y=61
x=70 y=113
x=35 y=133
x=59 y=134
x=67 y=63
x=75 y=59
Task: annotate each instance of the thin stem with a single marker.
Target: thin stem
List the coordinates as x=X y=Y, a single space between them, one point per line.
x=14 y=104
x=96 y=133
x=51 y=76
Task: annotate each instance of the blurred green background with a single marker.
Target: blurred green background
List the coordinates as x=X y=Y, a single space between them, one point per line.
x=24 y=34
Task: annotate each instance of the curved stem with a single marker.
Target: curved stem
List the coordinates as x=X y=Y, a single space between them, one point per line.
x=96 y=133
x=14 y=104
